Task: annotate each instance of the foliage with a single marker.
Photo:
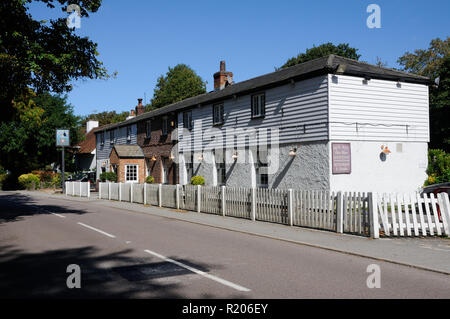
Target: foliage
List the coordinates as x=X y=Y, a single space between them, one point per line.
x=149 y=180
x=3 y=177
x=438 y=169
x=48 y=178
x=108 y=176
x=20 y=140
x=179 y=83
x=197 y=180
x=27 y=180
x=104 y=118
x=42 y=55
x=56 y=180
x=322 y=50
x=434 y=62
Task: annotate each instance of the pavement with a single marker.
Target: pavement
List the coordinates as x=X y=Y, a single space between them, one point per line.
x=130 y=250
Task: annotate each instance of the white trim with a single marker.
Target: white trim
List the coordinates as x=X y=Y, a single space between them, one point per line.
x=137 y=173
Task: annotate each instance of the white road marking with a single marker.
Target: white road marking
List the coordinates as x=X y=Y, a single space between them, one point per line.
x=199 y=272
x=97 y=230
x=58 y=215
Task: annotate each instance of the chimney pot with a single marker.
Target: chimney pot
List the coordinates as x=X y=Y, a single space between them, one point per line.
x=222 y=78
x=140 y=109
x=139 y=102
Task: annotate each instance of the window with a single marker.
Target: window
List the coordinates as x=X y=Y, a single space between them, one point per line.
x=111 y=137
x=218 y=114
x=258 y=105
x=187 y=120
x=190 y=167
x=165 y=124
x=102 y=139
x=128 y=133
x=261 y=165
x=165 y=170
x=220 y=167
x=131 y=173
x=148 y=129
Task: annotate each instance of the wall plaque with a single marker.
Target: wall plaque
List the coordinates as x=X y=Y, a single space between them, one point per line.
x=341 y=158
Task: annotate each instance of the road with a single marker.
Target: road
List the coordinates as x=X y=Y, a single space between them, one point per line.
x=124 y=254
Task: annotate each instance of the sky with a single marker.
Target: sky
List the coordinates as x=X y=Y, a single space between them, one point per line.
x=141 y=39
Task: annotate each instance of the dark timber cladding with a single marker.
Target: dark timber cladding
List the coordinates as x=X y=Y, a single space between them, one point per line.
x=327 y=65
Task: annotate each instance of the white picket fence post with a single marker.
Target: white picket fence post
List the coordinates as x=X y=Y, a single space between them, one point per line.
x=145 y=193
x=373 y=216
x=73 y=188
x=339 y=213
x=444 y=206
x=291 y=207
x=131 y=192
x=160 y=195
x=120 y=191
x=100 y=190
x=88 y=189
x=177 y=194
x=223 y=200
x=109 y=190
x=199 y=198
x=253 y=203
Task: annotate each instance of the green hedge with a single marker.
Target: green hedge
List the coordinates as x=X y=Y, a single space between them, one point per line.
x=27 y=181
x=198 y=180
x=438 y=169
x=108 y=176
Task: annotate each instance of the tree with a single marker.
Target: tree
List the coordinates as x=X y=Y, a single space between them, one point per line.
x=179 y=83
x=322 y=50
x=25 y=147
x=433 y=63
x=42 y=56
x=105 y=118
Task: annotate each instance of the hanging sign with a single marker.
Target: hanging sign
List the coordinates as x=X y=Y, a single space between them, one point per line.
x=62 y=138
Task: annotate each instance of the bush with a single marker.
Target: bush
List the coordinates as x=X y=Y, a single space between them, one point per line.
x=56 y=180
x=198 y=180
x=438 y=169
x=27 y=180
x=2 y=179
x=149 y=179
x=108 y=176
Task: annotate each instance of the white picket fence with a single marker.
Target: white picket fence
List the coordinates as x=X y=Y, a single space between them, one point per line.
x=80 y=189
x=413 y=214
x=365 y=214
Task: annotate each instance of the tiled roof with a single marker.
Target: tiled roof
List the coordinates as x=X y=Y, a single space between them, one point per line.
x=128 y=151
x=88 y=145
x=326 y=65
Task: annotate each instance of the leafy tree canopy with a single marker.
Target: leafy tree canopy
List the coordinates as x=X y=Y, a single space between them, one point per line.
x=104 y=118
x=434 y=62
x=42 y=56
x=179 y=83
x=25 y=147
x=322 y=50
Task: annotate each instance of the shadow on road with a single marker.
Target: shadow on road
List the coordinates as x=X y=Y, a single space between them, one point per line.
x=43 y=275
x=15 y=206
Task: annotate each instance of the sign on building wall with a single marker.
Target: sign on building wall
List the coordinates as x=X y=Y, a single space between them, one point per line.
x=62 y=138
x=341 y=158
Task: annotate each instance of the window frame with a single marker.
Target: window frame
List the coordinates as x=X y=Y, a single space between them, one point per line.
x=112 y=138
x=221 y=169
x=165 y=126
x=261 y=99
x=148 y=129
x=128 y=133
x=102 y=138
x=258 y=166
x=187 y=120
x=126 y=173
x=220 y=114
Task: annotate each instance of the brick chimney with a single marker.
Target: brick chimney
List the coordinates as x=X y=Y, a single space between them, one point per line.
x=140 y=109
x=222 y=78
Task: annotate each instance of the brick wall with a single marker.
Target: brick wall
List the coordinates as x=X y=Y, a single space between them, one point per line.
x=121 y=162
x=158 y=146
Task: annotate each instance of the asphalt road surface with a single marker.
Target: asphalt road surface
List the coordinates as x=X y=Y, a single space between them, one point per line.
x=124 y=254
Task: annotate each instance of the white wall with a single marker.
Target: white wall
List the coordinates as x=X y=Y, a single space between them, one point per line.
x=381 y=108
x=402 y=171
